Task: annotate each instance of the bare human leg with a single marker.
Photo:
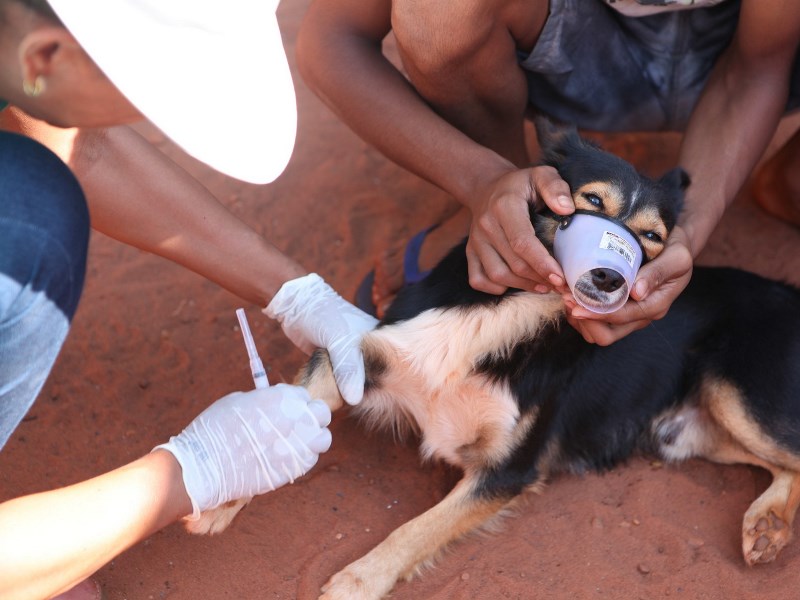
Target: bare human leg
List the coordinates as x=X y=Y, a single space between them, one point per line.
x=776 y=184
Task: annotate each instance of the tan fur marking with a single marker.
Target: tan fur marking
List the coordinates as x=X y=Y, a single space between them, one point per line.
x=319 y=381
x=429 y=377
x=610 y=194
x=645 y=221
x=730 y=436
x=413 y=545
x=724 y=403
x=767 y=524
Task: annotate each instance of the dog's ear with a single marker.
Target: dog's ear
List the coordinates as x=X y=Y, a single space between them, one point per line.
x=558 y=140
x=554 y=139
x=675 y=182
x=676 y=179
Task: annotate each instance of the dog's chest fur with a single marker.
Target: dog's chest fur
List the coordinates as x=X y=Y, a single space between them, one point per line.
x=469 y=418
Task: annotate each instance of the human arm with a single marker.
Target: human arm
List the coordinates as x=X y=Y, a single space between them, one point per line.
x=52 y=540
x=138 y=196
x=727 y=134
x=340 y=56
x=164 y=210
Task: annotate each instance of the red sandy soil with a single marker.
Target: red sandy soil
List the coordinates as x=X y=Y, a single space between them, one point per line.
x=153 y=344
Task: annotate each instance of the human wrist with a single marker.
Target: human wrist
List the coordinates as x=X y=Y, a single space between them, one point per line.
x=693 y=233
x=469 y=188
x=178 y=500
x=191 y=483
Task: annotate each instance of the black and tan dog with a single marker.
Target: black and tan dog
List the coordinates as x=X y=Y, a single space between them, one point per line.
x=504 y=389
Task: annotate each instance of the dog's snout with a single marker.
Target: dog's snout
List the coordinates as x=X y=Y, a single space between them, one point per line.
x=607 y=280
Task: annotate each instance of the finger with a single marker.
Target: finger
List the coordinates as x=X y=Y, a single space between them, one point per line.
x=493 y=238
x=478 y=278
x=580 y=327
x=605 y=334
x=552 y=190
x=321 y=412
x=493 y=276
x=527 y=257
x=630 y=311
x=321 y=442
x=512 y=259
x=674 y=264
x=348 y=371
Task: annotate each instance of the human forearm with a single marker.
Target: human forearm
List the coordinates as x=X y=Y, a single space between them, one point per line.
x=51 y=541
x=235 y=449
x=729 y=130
x=340 y=58
x=140 y=197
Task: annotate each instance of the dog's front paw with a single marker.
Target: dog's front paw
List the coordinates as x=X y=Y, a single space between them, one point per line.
x=217 y=519
x=354 y=583
x=763 y=536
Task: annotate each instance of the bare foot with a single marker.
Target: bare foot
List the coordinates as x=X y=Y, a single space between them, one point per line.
x=389 y=276
x=776 y=184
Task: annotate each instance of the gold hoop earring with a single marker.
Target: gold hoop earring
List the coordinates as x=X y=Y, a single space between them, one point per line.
x=35 y=89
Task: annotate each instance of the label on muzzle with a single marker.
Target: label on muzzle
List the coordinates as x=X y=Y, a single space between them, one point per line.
x=618 y=244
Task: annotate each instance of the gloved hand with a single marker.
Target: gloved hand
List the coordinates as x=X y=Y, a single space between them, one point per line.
x=313 y=315
x=249 y=443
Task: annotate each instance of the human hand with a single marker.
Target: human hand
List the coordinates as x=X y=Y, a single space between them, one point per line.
x=658 y=284
x=502 y=248
x=249 y=443
x=313 y=315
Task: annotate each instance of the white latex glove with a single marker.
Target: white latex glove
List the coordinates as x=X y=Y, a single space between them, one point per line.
x=249 y=443
x=313 y=315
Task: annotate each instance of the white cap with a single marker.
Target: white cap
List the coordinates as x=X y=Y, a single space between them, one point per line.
x=212 y=76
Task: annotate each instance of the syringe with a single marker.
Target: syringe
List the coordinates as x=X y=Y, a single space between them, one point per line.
x=256 y=366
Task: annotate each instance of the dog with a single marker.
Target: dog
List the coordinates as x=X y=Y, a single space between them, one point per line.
x=504 y=389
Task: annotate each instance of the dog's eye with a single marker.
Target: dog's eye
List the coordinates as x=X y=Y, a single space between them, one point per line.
x=593 y=199
x=652 y=236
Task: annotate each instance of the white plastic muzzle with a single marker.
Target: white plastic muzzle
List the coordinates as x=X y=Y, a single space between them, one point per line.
x=600 y=258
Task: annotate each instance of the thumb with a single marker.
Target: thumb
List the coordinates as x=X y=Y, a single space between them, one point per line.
x=649 y=278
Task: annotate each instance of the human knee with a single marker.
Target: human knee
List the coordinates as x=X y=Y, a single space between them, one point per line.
x=44 y=222
x=38 y=188
x=438 y=37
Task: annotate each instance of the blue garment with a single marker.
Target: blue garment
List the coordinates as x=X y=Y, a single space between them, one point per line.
x=605 y=71
x=44 y=237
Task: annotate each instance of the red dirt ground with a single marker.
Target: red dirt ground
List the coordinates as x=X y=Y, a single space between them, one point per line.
x=153 y=344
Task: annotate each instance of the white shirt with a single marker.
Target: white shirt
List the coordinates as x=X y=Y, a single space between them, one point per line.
x=642 y=8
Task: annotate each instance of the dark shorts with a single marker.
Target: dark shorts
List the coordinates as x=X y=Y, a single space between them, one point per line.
x=44 y=237
x=603 y=71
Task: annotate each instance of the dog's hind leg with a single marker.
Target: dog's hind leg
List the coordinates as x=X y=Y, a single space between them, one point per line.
x=767 y=525
x=413 y=545
x=722 y=430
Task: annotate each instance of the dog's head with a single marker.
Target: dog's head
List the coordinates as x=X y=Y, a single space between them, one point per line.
x=604 y=183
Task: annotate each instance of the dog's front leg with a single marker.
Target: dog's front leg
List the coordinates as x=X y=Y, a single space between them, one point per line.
x=317 y=377
x=413 y=546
